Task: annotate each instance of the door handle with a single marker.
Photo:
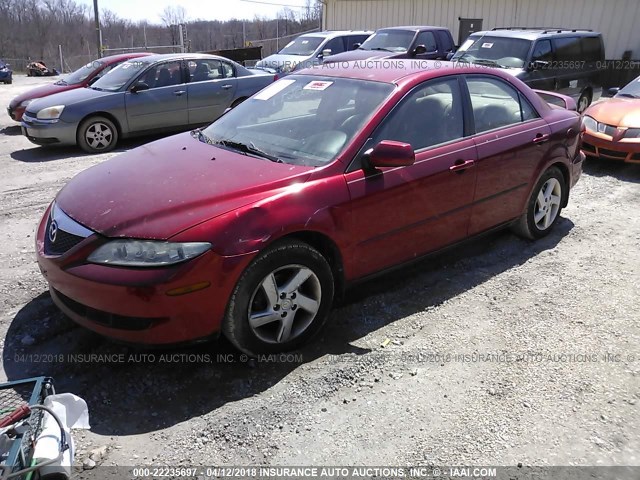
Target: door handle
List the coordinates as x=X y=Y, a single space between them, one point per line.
x=179 y=92
x=461 y=165
x=541 y=138
x=227 y=87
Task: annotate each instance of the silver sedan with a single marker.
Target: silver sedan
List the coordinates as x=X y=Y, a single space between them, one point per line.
x=143 y=95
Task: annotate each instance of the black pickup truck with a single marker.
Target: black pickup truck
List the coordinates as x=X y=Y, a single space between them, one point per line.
x=419 y=42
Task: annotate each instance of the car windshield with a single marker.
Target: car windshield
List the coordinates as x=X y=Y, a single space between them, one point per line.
x=301 y=119
x=632 y=89
x=120 y=76
x=302 y=46
x=389 y=40
x=503 y=52
x=82 y=73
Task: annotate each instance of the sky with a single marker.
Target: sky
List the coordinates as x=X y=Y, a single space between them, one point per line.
x=150 y=10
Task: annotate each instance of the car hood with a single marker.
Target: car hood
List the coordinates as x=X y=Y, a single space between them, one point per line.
x=40 y=92
x=165 y=187
x=66 y=98
x=355 y=55
x=620 y=112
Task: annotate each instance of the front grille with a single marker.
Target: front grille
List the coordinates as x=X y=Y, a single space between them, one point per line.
x=107 y=319
x=64 y=241
x=612 y=153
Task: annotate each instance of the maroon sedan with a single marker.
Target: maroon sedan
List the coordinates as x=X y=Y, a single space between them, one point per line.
x=82 y=77
x=252 y=226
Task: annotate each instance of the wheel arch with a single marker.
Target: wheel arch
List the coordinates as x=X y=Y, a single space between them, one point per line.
x=564 y=170
x=329 y=250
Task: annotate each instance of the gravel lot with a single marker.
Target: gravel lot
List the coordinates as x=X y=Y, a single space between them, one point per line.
x=497 y=353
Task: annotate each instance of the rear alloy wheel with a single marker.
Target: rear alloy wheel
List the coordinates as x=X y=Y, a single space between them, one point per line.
x=584 y=101
x=97 y=135
x=544 y=206
x=282 y=299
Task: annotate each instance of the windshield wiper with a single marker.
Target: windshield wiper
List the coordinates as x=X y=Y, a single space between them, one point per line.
x=484 y=61
x=61 y=82
x=630 y=95
x=250 y=149
x=382 y=48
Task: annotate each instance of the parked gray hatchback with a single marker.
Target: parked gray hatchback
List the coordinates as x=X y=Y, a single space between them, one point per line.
x=143 y=95
x=568 y=61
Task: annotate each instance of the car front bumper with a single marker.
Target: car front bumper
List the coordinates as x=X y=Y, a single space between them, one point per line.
x=6 y=76
x=139 y=305
x=48 y=132
x=602 y=146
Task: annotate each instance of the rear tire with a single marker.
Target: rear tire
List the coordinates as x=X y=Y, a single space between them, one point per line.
x=544 y=206
x=282 y=299
x=97 y=135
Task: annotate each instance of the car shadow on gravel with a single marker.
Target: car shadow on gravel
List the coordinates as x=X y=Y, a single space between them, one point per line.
x=131 y=391
x=626 y=172
x=12 y=131
x=49 y=154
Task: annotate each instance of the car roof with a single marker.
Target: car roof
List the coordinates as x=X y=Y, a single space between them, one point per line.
x=177 y=56
x=395 y=70
x=125 y=56
x=414 y=28
x=535 y=33
x=337 y=33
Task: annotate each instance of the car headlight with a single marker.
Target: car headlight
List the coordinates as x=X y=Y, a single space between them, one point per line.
x=4 y=69
x=50 y=113
x=589 y=123
x=632 y=133
x=25 y=104
x=146 y=253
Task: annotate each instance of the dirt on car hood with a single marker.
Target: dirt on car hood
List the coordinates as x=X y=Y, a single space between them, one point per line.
x=165 y=187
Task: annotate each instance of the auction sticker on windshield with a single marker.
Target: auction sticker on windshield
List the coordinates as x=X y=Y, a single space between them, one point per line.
x=272 y=89
x=487 y=45
x=317 y=85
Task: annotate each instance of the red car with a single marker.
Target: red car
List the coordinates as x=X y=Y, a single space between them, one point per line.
x=252 y=225
x=81 y=78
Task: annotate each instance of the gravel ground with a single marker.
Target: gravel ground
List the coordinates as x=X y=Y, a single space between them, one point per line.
x=496 y=353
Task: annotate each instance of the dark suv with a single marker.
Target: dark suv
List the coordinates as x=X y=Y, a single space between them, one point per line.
x=421 y=42
x=568 y=61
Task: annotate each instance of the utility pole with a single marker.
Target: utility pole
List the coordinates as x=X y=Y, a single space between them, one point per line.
x=97 y=21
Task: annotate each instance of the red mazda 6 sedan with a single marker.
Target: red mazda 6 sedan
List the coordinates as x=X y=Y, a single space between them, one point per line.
x=252 y=225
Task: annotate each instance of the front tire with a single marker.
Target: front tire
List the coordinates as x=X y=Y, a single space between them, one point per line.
x=544 y=206
x=584 y=101
x=97 y=135
x=282 y=299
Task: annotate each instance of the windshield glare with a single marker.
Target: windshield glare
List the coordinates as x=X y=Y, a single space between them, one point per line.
x=393 y=40
x=302 y=46
x=120 y=76
x=301 y=119
x=83 y=72
x=631 y=89
x=503 y=51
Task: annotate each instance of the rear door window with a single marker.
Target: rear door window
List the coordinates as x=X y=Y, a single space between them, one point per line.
x=568 y=49
x=496 y=104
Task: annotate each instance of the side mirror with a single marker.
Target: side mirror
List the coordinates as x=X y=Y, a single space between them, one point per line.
x=613 y=91
x=139 y=87
x=538 y=65
x=450 y=56
x=356 y=46
x=389 y=153
x=420 y=50
x=326 y=52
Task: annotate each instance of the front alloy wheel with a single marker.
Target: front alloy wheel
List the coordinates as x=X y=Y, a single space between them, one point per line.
x=97 y=135
x=282 y=299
